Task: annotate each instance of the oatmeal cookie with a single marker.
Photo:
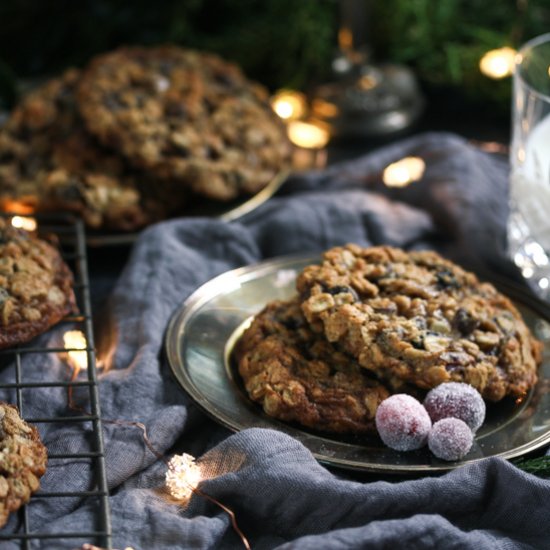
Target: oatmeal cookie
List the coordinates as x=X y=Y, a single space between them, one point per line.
x=35 y=286
x=23 y=460
x=296 y=375
x=184 y=116
x=419 y=318
x=49 y=162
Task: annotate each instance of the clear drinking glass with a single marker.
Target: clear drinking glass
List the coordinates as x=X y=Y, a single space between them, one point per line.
x=529 y=222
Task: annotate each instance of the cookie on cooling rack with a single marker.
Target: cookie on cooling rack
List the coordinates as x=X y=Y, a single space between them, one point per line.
x=49 y=162
x=185 y=116
x=36 y=286
x=296 y=375
x=419 y=318
x=23 y=460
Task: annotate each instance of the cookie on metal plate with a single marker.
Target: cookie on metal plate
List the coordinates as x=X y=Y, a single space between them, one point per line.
x=185 y=116
x=417 y=317
x=48 y=162
x=296 y=375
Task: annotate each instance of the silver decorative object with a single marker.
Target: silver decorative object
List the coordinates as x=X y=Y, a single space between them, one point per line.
x=365 y=99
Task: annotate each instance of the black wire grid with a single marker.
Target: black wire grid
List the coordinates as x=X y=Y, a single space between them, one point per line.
x=70 y=235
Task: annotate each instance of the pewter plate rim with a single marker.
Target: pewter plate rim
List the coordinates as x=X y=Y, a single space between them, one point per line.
x=236 y=412
x=236 y=211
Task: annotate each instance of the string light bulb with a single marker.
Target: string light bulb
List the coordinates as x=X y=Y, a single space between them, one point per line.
x=289 y=104
x=498 y=63
x=182 y=477
x=309 y=135
x=24 y=222
x=403 y=172
x=74 y=341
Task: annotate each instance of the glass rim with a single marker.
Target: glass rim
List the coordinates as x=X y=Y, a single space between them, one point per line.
x=527 y=46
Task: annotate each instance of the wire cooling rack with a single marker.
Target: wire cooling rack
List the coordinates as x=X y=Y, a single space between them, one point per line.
x=18 y=387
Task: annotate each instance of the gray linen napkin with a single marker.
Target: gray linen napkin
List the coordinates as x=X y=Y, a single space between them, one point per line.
x=281 y=496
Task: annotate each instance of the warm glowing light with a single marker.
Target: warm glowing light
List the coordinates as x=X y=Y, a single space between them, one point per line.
x=345 y=38
x=368 y=82
x=404 y=171
x=289 y=105
x=324 y=109
x=22 y=222
x=182 y=477
x=17 y=207
x=309 y=135
x=75 y=340
x=498 y=63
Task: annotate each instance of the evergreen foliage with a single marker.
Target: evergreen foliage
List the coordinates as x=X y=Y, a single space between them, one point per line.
x=282 y=43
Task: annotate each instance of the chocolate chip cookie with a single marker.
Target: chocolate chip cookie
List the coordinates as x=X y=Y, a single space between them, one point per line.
x=184 y=116
x=23 y=460
x=36 y=286
x=296 y=375
x=49 y=162
x=419 y=318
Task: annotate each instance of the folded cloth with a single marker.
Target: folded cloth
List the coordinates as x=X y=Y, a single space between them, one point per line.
x=281 y=496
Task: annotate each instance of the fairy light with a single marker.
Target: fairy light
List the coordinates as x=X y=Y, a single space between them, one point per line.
x=498 y=63
x=309 y=135
x=288 y=104
x=17 y=207
x=24 y=222
x=324 y=109
x=403 y=172
x=183 y=477
x=74 y=341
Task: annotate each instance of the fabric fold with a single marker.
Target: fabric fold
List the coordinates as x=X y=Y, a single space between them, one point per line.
x=282 y=497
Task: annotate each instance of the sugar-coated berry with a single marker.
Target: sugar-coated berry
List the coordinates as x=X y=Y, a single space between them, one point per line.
x=403 y=423
x=456 y=400
x=450 y=439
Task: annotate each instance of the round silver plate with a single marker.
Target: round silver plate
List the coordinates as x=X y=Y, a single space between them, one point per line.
x=202 y=332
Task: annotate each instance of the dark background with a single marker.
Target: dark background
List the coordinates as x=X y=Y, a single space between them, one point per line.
x=289 y=43
x=286 y=43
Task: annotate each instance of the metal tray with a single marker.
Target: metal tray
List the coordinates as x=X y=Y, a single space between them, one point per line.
x=205 y=327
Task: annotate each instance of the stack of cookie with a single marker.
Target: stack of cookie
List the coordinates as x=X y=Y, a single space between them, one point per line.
x=370 y=322
x=139 y=135
x=36 y=292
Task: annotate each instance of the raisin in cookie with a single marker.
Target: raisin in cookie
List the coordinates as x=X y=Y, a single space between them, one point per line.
x=49 y=162
x=184 y=116
x=419 y=318
x=23 y=460
x=296 y=375
x=35 y=286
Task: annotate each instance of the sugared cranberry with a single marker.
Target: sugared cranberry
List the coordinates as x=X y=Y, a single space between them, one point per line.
x=402 y=422
x=450 y=439
x=456 y=400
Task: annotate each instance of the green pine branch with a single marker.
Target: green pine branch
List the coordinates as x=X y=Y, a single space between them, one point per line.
x=537 y=466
